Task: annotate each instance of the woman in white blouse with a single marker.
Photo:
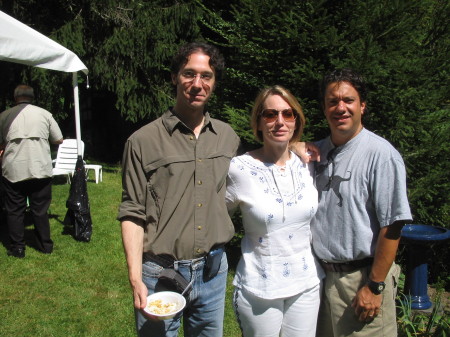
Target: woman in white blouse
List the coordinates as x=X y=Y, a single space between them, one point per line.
x=277 y=282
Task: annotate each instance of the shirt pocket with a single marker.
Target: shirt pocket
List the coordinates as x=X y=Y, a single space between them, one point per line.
x=162 y=184
x=219 y=164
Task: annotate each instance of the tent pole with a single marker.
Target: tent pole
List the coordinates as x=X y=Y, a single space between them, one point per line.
x=77 y=111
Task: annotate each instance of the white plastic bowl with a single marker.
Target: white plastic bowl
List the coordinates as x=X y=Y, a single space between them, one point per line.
x=165 y=297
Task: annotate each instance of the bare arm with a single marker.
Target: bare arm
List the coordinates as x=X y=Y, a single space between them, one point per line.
x=59 y=141
x=367 y=304
x=132 y=239
x=306 y=151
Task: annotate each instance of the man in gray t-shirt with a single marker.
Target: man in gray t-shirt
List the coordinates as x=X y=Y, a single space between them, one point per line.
x=363 y=205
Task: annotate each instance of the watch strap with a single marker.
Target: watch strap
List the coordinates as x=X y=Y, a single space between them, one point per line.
x=376 y=287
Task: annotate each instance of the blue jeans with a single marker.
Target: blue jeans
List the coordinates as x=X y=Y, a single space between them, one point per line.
x=203 y=315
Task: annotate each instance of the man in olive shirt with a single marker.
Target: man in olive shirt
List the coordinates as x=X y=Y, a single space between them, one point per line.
x=173 y=211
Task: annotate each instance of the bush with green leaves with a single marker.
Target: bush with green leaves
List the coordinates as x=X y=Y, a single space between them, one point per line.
x=412 y=323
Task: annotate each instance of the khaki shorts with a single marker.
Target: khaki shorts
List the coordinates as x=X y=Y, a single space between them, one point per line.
x=337 y=317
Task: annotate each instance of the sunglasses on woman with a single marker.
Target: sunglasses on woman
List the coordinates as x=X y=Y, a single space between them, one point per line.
x=271 y=115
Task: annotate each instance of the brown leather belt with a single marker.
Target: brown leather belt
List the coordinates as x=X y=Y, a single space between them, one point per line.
x=346 y=267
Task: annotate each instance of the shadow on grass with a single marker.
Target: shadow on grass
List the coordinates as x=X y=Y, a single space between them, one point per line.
x=59 y=180
x=66 y=229
x=29 y=234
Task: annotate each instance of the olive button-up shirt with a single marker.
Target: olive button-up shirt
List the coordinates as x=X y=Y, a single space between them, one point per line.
x=175 y=184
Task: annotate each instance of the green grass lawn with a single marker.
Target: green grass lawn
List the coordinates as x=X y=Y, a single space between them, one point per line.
x=82 y=288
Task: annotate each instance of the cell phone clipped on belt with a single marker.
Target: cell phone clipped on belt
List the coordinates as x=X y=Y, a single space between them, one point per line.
x=212 y=263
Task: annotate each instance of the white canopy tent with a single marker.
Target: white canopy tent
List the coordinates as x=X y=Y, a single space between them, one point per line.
x=22 y=44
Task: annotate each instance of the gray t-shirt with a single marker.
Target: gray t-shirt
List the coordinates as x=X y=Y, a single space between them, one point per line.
x=362 y=187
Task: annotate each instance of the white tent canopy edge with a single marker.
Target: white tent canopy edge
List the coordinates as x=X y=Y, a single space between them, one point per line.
x=22 y=44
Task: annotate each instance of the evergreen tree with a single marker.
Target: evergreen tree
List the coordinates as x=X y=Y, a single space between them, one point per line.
x=400 y=46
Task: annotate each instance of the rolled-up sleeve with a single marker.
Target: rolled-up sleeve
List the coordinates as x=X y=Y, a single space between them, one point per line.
x=134 y=182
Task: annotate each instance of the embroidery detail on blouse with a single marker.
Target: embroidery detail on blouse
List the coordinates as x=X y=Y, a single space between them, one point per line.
x=278 y=206
x=286 y=269
x=305 y=265
x=263 y=275
x=282 y=191
x=264 y=173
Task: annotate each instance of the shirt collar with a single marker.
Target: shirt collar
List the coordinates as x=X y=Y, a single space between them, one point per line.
x=349 y=145
x=171 y=122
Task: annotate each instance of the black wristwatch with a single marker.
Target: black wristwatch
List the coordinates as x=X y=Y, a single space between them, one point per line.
x=376 y=287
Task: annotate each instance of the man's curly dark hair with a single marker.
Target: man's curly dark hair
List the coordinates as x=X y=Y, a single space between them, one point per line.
x=216 y=60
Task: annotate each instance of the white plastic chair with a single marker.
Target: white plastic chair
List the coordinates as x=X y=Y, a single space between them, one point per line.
x=97 y=170
x=65 y=161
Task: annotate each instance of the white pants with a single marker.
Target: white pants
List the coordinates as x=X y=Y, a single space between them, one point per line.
x=287 y=317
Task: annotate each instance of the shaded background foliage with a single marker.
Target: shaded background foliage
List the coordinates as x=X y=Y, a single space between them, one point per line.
x=400 y=46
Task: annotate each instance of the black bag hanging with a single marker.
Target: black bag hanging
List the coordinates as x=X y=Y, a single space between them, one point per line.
x=78 y=213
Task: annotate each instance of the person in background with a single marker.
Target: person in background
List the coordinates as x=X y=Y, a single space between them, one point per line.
x=363 y=205
x=26 y=132
x=277 y=281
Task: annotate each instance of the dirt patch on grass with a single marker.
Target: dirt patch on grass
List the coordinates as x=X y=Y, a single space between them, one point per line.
x=445 y=299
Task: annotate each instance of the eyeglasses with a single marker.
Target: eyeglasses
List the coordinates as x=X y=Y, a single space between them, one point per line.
x=271 y=115
x=189 y=76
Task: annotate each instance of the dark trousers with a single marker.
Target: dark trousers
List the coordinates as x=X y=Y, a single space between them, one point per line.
x=39 y=194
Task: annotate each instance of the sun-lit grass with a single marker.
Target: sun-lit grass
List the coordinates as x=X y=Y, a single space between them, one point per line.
x=82 y=288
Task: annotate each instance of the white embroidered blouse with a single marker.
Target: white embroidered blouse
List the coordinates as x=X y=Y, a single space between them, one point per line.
x=277 y=205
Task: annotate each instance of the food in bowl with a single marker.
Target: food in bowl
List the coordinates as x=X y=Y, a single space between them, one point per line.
x=164 y=305
x=161 y=307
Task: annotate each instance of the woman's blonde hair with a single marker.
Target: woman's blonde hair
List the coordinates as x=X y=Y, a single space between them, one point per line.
x=285 y=94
